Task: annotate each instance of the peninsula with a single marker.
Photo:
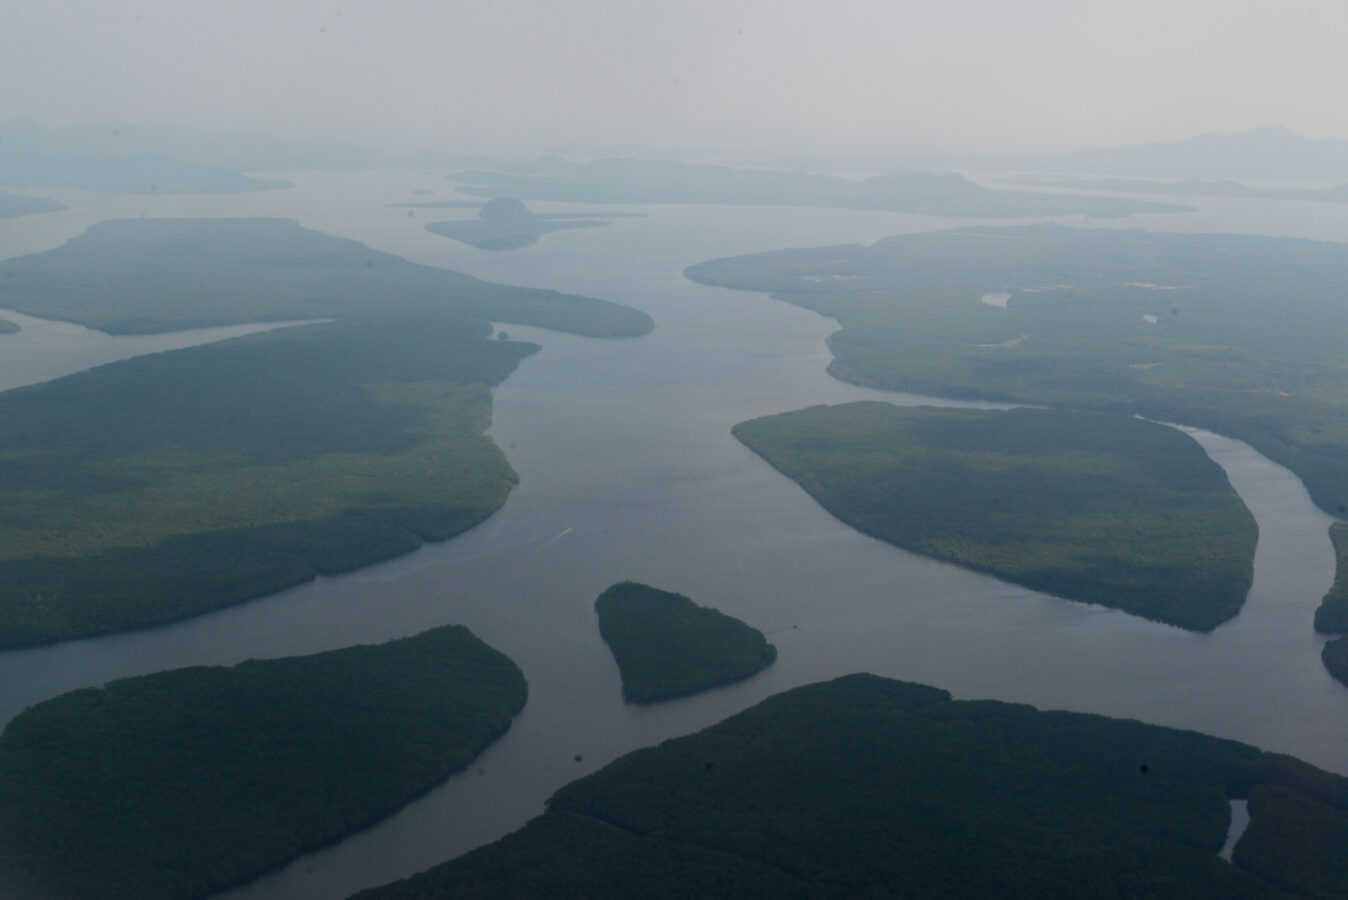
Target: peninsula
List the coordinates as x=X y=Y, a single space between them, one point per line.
x=853 y=787
x=175 y=785
x=168 y=485
x=142 y=276
x=13 y=205
x=1093 y=507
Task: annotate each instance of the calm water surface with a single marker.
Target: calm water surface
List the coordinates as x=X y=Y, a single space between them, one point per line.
x=628 y=470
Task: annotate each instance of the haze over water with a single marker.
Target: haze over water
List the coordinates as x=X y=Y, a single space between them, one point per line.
x=628 y=470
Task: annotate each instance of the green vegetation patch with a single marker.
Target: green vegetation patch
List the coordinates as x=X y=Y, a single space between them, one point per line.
x=1093 y=507
x=136 y=276
x=667 y=646
x=1240 y=335
x=866 y=787
x=168 y=485
x=1332 y=616
x=665 y=181
x=181 y=783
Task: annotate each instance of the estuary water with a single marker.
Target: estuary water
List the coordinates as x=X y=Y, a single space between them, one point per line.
x=629 y=471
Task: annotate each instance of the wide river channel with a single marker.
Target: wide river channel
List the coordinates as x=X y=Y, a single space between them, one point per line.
x=628 y=470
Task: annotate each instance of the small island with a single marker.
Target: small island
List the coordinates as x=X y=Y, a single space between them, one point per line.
x=506 y=224
x=1093 y=507
x=175 y=785
x=667 y=646
x=867 y=787
x=8 y=327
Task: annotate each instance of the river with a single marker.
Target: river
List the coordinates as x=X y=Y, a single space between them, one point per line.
x=628 y=470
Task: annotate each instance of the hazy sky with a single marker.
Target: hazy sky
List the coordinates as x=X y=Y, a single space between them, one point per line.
x=521 y=76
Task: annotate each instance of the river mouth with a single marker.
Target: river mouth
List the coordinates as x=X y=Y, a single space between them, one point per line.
x=629 y=471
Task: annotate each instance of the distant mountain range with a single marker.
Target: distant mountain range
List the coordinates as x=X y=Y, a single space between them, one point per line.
x=1270 y=152
x=116 y=156
x=1258 y=153
x=1186 y=187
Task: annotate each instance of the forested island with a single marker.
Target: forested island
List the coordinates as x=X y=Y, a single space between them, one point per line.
x=1093 y=507
x=667 y=646
x=8 y=327
x=504 y=223
x=13 y=205
x=181 y=783
x=865 y=787
x=666 y=181
x=168 y=485
x=140 y=276
x=1240 y=335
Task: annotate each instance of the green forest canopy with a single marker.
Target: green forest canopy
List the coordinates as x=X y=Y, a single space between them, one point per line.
x=668 y=646
x=178 y=784
x=866 y=787
x=137 y=276
x=1240 y=335
x=1095 y=507
x=1332 y=615
x=169 y=485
